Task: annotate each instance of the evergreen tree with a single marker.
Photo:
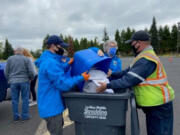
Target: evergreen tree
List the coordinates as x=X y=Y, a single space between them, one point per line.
x=154 y=35
x=91 y=43
x=117 y=37
x=1 y=50
x=96 y=42
x=8 y=50
x=178 y=38
x=76 y=45
x=71 y=47
x=174 y=34
x=125 y=48
x=83 y=43
x=105 y=36
x=45 y=42
x=61 y=36
x=66 y=39
x=166 y=38
x=160 y=35
x=37 y=53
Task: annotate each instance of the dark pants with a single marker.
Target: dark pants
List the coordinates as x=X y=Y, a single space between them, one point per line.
x=55 y=124
x=32 y=88
x=159 y=119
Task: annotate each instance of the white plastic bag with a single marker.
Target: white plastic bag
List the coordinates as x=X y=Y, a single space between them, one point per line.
x=95 y=77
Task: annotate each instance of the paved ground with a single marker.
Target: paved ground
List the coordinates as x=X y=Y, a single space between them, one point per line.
x=36 y=126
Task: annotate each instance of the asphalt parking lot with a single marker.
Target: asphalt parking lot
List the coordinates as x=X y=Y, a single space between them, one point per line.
x=36 y=126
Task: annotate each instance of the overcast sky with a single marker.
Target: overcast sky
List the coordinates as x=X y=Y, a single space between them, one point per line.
x=26 y=22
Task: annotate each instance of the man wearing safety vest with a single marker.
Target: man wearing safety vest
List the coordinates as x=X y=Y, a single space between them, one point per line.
x=147 y=76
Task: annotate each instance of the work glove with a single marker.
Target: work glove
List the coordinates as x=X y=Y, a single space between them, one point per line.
x=86 y=76
x=71 y=61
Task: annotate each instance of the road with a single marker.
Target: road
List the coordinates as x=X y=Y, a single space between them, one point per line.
x=36 y=126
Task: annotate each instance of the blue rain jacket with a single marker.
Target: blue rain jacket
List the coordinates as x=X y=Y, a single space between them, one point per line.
x=53 y=80
x=115 y=65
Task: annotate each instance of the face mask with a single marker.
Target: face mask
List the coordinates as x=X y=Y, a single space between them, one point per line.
x=134 y=50
x=112 y=51
x=60 y=51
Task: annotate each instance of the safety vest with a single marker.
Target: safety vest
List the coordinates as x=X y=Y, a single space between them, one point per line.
x=154 y=90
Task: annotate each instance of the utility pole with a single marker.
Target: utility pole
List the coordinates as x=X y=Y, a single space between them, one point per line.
x=178 y=38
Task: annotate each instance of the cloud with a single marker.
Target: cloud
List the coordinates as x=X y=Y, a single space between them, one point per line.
x=27 y=22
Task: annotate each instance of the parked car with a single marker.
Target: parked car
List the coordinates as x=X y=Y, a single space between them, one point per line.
x=4 y=86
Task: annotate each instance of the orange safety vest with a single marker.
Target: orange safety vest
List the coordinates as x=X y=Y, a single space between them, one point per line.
x=154 y=90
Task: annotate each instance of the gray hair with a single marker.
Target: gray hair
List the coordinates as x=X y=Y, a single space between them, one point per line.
x=106 y=45
x=18 y=50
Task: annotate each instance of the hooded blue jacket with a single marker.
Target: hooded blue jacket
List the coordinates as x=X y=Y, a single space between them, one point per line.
x=53 y=80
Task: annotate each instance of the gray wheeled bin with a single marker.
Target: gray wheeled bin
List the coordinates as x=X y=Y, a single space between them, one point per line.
x=97 y=114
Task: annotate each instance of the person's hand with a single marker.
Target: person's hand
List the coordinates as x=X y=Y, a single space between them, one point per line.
x=86 y=76
x=102 y=87
x=109 y=73
x=100 y=52
x=63 y=60
x=71 y=61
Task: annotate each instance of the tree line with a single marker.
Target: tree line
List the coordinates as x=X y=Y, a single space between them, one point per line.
x=163 y=39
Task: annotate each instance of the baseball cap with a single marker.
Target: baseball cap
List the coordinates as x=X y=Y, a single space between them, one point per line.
x=56 y=40
x=139 y=35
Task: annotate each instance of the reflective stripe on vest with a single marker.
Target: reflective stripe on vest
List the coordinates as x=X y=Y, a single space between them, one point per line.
x=136 y=75
x=152 y=82
x=166 y=94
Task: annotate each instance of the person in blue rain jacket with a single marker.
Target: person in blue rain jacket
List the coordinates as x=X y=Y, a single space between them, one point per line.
x=52 y=81
x=110 y=48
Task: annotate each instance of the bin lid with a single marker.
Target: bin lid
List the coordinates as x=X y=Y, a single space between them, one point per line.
x=86 y=59
x=78 y=95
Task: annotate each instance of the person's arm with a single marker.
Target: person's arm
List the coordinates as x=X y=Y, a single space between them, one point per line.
x=119 y=64
x=95 y=49
x=59 y=79
x=30 y=69
x=6 y=70
x=66 y=65
x=119 y=74
x=137 y=74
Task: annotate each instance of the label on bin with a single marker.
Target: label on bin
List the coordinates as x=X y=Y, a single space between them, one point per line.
x=95 y=112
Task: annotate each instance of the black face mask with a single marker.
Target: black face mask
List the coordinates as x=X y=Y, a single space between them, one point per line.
x=60 y=51
x=134 y=51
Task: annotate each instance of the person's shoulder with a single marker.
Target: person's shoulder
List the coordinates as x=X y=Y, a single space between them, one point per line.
x=25 y=58
x=50 y=62
x=116 y=58
x=11 y=57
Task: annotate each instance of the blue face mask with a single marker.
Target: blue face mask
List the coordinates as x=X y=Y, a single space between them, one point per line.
x=112 y=51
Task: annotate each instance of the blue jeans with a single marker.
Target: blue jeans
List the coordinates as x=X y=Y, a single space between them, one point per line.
x=24 y=89
x=159 y=119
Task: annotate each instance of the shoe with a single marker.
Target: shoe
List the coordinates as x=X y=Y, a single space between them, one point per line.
x=26 y=119
x=16 y=120
x=33 y=103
